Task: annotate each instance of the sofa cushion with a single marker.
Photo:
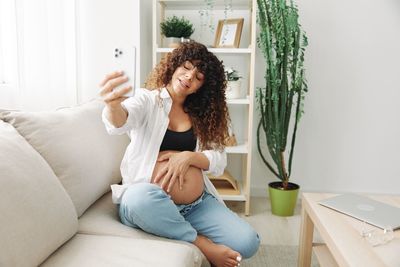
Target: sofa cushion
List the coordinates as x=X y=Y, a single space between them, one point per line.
x=36 y=214
x=102 y=219
x=76 y=145
x=104 y=251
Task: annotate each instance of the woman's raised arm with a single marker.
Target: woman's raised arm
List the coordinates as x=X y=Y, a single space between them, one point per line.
x=114 y=112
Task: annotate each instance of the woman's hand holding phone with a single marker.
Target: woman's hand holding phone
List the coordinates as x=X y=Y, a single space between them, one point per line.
x=116 y=114
x=110 y=96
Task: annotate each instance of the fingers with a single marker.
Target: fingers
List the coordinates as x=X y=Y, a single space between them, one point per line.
x=181 y=176
x=111 y=84
x=117 y=95
x=166 y=179
x=110 y=76
x=160 y=174
x=165 y=156
x=125 y=90
x=171 y=183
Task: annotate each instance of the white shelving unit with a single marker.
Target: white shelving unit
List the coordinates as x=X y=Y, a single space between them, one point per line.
x=241 y=110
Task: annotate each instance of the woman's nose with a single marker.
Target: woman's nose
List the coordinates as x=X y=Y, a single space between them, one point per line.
x=190 y=74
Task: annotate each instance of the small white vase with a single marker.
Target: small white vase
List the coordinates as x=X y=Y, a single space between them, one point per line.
x=233 y=89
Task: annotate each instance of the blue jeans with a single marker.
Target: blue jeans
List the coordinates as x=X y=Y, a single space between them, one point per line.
x=148 y=207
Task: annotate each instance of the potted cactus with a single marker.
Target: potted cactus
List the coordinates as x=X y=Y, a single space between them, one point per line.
x=283 y=43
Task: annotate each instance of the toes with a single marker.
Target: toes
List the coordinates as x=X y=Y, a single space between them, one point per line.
x=234 y=259
x=231 y=263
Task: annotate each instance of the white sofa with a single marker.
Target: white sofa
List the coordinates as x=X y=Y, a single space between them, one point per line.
x=56 y=168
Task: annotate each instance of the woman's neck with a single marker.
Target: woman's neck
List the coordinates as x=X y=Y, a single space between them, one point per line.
x=176 y=99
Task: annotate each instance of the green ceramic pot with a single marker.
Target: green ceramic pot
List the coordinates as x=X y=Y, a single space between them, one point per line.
x=283 y=201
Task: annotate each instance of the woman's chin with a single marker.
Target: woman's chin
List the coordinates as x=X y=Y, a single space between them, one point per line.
x=179 y=90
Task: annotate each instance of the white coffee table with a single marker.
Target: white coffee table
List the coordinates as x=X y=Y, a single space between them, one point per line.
x=341 y=234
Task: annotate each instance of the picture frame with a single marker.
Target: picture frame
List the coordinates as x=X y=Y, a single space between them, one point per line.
x=228 y=33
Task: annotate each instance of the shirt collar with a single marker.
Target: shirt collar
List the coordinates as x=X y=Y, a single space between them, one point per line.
x=164 y=93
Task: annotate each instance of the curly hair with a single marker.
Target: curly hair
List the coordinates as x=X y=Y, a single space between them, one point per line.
x=207 y=107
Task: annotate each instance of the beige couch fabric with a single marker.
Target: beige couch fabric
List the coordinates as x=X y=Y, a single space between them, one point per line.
x=77 y=147
x=102 y=219
x=105 y=251
x=36 y=214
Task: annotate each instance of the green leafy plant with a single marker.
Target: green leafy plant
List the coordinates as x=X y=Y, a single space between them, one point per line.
x=232 y=74
x=283 y=43
x=176 y=27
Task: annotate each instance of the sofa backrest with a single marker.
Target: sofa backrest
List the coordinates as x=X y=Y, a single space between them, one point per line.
x=36 y=214
x=77 y=147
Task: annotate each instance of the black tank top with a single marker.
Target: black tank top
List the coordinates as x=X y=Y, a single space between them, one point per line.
x=179 y=141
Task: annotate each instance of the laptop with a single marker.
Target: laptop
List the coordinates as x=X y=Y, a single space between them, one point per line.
x=365 y=209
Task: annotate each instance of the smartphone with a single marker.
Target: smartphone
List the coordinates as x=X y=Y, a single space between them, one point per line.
x=124 y=58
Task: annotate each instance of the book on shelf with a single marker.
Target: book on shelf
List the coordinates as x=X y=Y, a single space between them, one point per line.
x=225 y=184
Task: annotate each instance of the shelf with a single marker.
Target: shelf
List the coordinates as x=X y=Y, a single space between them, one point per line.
x=213 y=50
x=240 y=197
x=324 y=256
x=239 y=149
x=191 y=4
x=239 y=101
x=233 y=197
x=241 y=108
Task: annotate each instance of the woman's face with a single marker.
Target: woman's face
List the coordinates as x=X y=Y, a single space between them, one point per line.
x=187 y=79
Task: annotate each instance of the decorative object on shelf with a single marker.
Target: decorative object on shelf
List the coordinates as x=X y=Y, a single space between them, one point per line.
x=228 y=33
x=233 y=86
x=176 y=30
x=225 y=184
x=283 y=43
x=207 y=16
x=231 y=139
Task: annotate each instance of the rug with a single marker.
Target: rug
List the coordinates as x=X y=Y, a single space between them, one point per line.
x=275 y=256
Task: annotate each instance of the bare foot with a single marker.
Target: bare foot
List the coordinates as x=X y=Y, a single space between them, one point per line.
x=218 y=255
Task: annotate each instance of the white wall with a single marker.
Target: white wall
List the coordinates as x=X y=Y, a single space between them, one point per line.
x=349 y=137
x=102 y=25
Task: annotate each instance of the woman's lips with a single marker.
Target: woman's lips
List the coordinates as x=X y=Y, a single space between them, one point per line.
x=184 y=83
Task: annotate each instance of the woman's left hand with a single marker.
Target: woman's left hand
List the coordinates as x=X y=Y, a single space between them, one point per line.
x=175 y=169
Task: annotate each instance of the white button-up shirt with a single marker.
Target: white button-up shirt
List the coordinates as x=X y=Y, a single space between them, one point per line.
x=146 y=125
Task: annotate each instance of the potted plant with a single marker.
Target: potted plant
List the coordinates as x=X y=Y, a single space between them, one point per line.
x=233 y=86
x=283 y=43
x=176 y=30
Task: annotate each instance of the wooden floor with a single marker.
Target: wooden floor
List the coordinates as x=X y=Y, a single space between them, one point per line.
x=273 y=230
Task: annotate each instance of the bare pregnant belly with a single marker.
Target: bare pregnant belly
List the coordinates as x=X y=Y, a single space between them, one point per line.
x=193 y=184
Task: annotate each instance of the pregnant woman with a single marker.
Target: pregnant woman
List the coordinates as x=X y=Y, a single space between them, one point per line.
x=177 y=127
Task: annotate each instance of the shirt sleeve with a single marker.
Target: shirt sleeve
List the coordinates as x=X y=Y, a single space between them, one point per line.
x=217 y=161
x=137 y=108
